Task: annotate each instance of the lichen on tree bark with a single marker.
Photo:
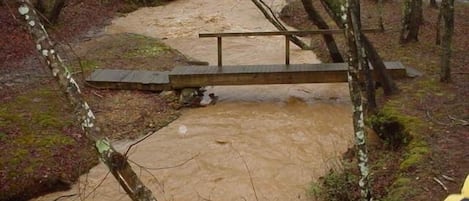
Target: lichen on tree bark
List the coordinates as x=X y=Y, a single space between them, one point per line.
x=45 y=47
x=356 y=55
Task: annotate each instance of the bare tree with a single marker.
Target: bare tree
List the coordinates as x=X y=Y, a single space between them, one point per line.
x=50 y=9
x=314 y=17
x=447 y=14
x=115 y=161
x=357 y=59
x=270 y=15
x=411 y=20
x=389 y=87
x=433 y=4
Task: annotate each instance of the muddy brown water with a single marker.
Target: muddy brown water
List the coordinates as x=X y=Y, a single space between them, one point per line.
x=266 y=141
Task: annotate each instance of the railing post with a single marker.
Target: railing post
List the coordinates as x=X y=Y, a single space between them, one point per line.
x=220 y=63
x=287 y=49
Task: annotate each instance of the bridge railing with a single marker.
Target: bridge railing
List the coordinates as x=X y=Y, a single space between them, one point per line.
x=287 y=34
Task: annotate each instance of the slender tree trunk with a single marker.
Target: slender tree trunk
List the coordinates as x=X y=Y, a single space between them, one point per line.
x=314 y=16
x=438 y=28
x=386 y=81
x=51 y=9
x=447 y=13
x=335 y=14
x=389 y=87
x=433 y=4
x=380 y=15
x=270 y=15
x=116 y=162
x=411 y=21
x=56 y=10
x=357 y=58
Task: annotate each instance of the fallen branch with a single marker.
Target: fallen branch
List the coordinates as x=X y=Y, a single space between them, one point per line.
x=138 y=141
x=97 y=186
x=10 y=10
x=151 y=174
x=96 y=94
x=448 y=178
x=461 y=122
x=434 y=120
x=64 y=196
x=441 y=183
x=273 y=19
x=167 y=167
x=115 y=161
x=249 y=171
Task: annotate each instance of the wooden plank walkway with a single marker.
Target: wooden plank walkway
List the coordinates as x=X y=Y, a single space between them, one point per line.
x=129 y=79
x=199 y=76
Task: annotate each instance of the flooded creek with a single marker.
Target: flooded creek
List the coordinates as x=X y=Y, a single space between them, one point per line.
x=265 y=141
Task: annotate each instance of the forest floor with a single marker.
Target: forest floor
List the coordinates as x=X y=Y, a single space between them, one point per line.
x=40 y=139
x=435 y=114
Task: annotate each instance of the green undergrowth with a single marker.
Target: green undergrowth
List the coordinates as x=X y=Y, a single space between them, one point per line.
x=336 y=185
x=407 y=142
x=36 y=130
x=402 y=145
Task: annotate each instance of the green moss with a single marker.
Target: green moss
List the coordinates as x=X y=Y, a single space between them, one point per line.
x=145 y=47
x=147 y=51
x=392 y=126
x=335 y=5
x=400 y=190
x=35 y=120
x=89 y=65
x=417 y=151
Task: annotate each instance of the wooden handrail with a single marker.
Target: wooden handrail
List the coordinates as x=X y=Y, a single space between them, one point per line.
x=281 y=33
x=287 y=35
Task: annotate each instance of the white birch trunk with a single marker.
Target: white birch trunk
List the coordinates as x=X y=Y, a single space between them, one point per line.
x=356 y=60
x=116 y=162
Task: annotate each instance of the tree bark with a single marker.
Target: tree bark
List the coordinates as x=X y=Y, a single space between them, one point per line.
x=51 y=9
x=439 y=26
x=447 y=13
x=56 y=10
x=357 y=58
x=314 y=17
x=386 y=81
x=116 y=162
x=269 y=15
x=389 y=87
x=380 y=15
x=411 y=21
x=433 y=4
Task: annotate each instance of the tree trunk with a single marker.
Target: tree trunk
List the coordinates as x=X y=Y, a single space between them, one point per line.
x=50 y=9
x=433 y=4
x=270 y=15
x=411 y=21
x=380 y=15
x=385 y=79
x=447 y=13
x=357 y=58
x=55 y=12
x=314 y=16
x=389 y=87
x=116 y=162
x=438 y=28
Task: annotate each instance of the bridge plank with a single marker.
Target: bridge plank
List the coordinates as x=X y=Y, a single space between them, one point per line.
x=129 y=79
x=199 y=76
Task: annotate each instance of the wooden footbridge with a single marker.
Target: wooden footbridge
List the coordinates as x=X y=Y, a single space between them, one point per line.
x=200 y=76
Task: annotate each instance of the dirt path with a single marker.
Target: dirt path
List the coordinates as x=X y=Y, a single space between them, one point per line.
x=280 y=136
